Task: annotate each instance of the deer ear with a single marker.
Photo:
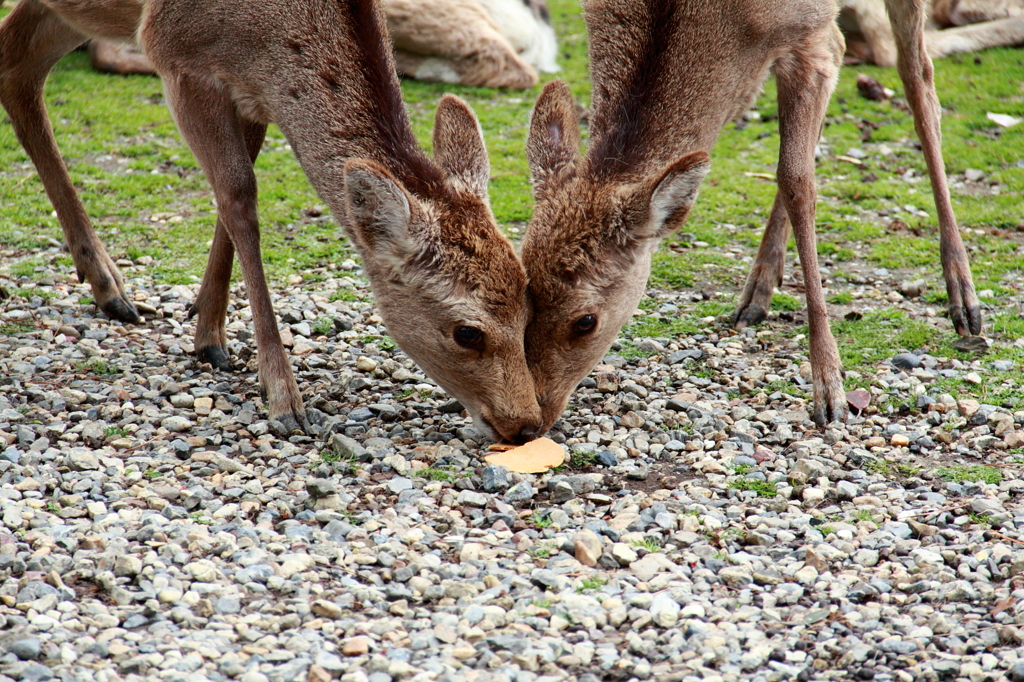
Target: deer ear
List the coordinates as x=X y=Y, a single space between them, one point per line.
x=657 y=206
x=553 y=145
x=459 y=145
x=379 y=213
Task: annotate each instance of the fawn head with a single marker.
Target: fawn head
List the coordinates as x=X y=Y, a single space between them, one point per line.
x=448 y=284
x=588 y=248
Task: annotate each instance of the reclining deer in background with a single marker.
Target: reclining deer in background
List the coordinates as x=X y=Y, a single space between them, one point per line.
x=667 y=75
x=975 y=25
x=449 y=286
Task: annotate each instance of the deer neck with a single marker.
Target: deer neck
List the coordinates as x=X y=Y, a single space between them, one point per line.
x=667 y=77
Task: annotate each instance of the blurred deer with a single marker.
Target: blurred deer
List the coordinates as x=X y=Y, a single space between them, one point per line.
x=449 y=285
x=951 y=27
x=667 y=76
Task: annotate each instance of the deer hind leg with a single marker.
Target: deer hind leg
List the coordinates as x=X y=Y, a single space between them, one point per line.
x=806 y=79
x=915 y=69
x=766 y=273
x=210 y=123
x=212 y=302
x=32 y=40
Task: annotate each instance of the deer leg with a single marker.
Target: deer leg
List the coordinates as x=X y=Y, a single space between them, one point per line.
x=806 y=79
x=212 y=302
x=915 y=69
x=766 y=273
x=32 y=40
x=215 y=132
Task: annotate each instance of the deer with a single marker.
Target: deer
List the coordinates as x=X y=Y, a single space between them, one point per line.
x=667 y=76
x=448 y=284
x=952 y=27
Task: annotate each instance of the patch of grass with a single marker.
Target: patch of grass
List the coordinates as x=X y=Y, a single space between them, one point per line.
x=891 y=469
x=12 y=328
x=96 y=367
x=151 y=474
x=540 y=552
x=786 y=302
x=973 y=473
x=113 y=431
x=323 y=326
x=45 y=294
x=592 y=583
x=542 y=521
x=579 y=460
x=841 y=298
x=53 y=506
x=742 y=469
x=873 y=339
x=762 y=488
x=651 y=544
x=200 y=518
x=826 y=530
x=343 y=295
x=980 y=519
x=863 y=515
x=444 y=474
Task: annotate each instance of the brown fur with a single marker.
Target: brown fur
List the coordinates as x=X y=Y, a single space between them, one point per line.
x=454 y=41
x=667 y=75
x=953 y=27
x=323 y=72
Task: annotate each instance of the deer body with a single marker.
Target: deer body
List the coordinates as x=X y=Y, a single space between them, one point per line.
x=323 y=72
x=667 y=75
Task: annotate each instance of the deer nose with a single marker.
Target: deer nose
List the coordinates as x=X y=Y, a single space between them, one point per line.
x=526 y=434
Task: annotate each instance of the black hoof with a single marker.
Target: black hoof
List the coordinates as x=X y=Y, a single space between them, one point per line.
x=120 y=309
x=966 y=322
x=749 y=316
x=291 y=425
x=216 y=356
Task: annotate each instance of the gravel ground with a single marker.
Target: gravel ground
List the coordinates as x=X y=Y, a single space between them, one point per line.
x=154 y=526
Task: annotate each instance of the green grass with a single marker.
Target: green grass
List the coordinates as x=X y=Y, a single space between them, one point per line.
x=971 y=473
x=651 y=544
x=542 y=521
x=891 y=469
x=762 y=488
x=594 y=583
x=444 y=474
x=108 y=124
x=115 y=431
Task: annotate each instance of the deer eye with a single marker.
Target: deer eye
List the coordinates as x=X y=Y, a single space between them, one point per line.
x=469 y=337
x=584 y=325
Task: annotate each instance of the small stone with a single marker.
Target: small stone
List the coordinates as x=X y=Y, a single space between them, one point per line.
x=203 y=406
x=607 y=382
x=176 y=424
x=606 y=458
x=623 y=553
x=587 y=546
x=366 y=364
x=27 y=649
x=520 y=492
x=494 y=478
x=972 y=378
x=327 y=609
x=900 y=439
x=356 y=646
x=562 y=492
x=906 y=361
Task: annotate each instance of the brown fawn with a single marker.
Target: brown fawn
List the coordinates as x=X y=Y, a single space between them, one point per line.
x=449 y=285
x=667 y=76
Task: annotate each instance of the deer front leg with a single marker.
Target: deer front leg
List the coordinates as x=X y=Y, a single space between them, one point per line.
x=915 y=69
x=766 y=273
x=215 y=132
x=212 y=302
x=32 y=40
x=805 y=81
